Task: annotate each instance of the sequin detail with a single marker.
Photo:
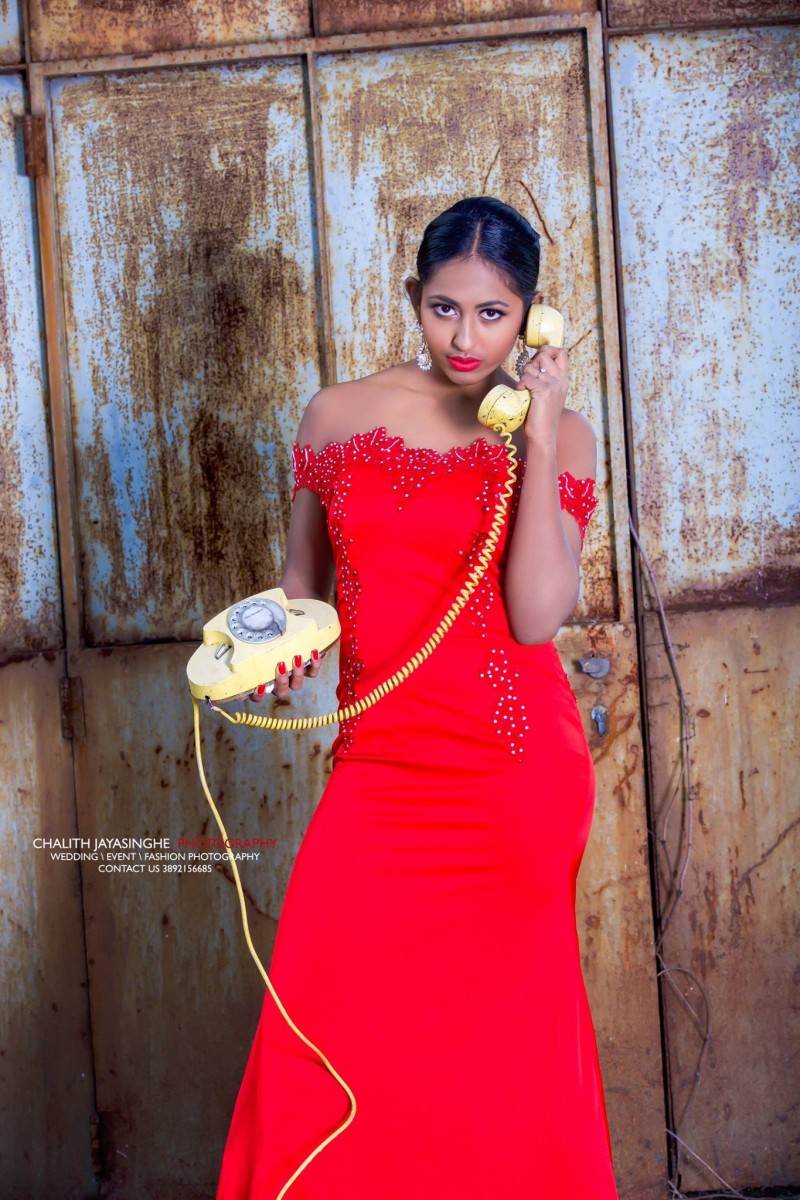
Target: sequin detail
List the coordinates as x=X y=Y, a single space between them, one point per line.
x=410 y=466
x=578 y=498
x=510 y=719
x=327 y=472
x=319 y=470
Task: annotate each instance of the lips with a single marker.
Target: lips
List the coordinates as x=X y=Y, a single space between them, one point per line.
x=464 y=364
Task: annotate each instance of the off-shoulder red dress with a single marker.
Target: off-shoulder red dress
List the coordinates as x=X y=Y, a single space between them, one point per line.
x=427 y=942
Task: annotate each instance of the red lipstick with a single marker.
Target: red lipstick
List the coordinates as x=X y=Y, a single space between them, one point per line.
x=463 y=364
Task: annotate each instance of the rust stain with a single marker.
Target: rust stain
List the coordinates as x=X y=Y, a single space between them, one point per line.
x=12 y=520
x=679 y=12
x=540 y=218
x=209 y=323
x=744 y=878
x=11 y=52
x=362 y=16
x=30 y=609
x=87 y=28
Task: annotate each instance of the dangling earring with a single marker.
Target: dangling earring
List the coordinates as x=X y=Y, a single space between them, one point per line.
x=522 y=359
x=423 y=353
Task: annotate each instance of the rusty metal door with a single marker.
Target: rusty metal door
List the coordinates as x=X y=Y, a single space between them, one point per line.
x=46 y=1074
x=706 y=132
x=215 y=212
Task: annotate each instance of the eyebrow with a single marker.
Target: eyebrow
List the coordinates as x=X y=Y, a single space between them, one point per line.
x=483 y=303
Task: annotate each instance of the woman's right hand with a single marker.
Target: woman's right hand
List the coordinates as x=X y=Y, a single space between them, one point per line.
x=289 y=677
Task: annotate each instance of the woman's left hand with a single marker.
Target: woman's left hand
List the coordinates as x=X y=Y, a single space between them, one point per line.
x=545 y=377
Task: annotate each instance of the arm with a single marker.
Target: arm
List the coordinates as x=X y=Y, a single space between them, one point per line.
x=308 y=568
x=308 y=571
x=542 y=581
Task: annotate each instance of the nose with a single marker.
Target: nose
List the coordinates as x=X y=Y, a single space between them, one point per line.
x=464 y=335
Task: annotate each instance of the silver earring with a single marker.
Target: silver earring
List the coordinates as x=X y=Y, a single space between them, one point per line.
x=423 y=353
x=522 y=360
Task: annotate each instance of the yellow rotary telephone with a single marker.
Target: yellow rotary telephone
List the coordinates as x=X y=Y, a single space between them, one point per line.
x=243 y=645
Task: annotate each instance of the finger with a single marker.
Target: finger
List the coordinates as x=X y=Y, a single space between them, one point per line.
x=555 y=354
x=546 y=368
x=536 y=373
x=298 y=673
x=281 y=681
x=316 y=663
x=259 y=693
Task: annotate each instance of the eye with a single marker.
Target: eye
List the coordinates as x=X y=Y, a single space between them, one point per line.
x=438 y=309
x=492 y=314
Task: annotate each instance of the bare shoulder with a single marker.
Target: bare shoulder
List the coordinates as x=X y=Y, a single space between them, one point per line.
x=336 y=412
x=577 y=445
x=325 y=418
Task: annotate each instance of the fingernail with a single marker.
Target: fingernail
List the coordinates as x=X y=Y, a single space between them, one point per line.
x=298 y=660
x=281 y=668
x=261 y=689
x=315 y=655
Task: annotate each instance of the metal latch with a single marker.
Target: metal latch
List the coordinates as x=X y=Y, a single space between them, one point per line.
x=600 y=717
x=598 y=668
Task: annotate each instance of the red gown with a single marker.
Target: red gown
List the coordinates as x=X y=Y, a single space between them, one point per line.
x=427 y=942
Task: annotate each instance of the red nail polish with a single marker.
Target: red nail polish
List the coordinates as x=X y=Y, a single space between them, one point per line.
x=315 y=655
x=261 y=689
x=281 y=668
x=298 y=660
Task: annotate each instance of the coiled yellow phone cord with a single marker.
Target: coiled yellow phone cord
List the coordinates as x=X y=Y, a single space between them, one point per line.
x=343 y=714
x=416 y=660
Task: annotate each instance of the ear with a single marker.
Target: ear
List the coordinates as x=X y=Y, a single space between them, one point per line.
x=414 y=292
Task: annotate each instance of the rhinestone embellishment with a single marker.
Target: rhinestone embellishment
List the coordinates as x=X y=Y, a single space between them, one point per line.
x=327 y=472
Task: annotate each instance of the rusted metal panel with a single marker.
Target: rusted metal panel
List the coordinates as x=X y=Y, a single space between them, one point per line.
x=46 y=1085
x=709 y=201
x=355 y=16
x=169 y=944
x=614 y=911
x=30 y=606
x=680 y=12
x=86 y=28
x=736 y=927
x=188 y=263
x=10 y=32
x=387 y=119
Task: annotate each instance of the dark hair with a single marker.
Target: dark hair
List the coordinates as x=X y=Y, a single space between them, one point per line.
x=494 y=231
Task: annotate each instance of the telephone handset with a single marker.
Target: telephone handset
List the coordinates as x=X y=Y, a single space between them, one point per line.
x=243 y=645
x=505 y=408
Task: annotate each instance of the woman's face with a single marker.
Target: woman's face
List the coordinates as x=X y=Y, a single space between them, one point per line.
x=471 y=319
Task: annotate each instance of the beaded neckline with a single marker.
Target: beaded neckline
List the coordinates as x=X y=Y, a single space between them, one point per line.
x=379 y=433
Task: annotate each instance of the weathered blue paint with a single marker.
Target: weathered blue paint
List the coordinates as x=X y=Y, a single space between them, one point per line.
x=10 y=32
x=706 y=127
x=189 y=269
x=30 y=596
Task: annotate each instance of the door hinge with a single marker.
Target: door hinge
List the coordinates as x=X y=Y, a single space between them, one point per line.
x=100 y=1135
x=73 y=720
x=34 y=144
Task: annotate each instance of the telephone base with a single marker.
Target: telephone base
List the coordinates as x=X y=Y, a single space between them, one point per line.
x=243 y=645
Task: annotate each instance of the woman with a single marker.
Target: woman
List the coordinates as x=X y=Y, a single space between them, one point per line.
x=427 y=943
